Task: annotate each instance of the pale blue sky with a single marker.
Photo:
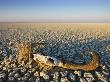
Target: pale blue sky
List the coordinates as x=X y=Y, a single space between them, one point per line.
x=55 y=10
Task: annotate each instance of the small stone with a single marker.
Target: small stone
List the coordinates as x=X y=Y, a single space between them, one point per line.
x=30 y=71
x=4 y=68
x=17 y=75
x=13 y=65
x=108 y=64
x=11 y=79
x=104 y=67
x=83 y=80
x=11 y=74
x=88 y=75
x=56 y=75
x=23 y=70
x=72 y=77
x=14 y=71
x=101 y=77
x=25 y=78
x=2 y=75
x=42 y=74
x=32 y=79
x=89 y=79
x=33 y=70
x=37 y=79
x=105 y=72
x=17 y=70
x=54 y=80
x=36 y=73
x=10 y=70
x=46 y=77
x=19 y=79
x=78 y=73
x=27 y=74
x=64 y=74
x=64 y=80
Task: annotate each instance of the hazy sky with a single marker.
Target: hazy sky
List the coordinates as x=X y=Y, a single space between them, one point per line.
x=55 y=10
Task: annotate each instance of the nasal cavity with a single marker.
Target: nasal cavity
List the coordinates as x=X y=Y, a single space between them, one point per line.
x=51 y=60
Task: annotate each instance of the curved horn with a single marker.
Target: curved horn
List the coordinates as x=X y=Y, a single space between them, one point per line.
x=92 y=65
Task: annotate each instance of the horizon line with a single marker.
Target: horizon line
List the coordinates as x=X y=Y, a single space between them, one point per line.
x=48 y=22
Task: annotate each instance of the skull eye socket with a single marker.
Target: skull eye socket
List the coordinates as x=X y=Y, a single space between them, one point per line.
x=51 y=60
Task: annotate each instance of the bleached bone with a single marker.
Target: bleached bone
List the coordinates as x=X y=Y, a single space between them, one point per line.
x=51 y=61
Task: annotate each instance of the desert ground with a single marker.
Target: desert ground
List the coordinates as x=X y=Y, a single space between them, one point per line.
x=67 y=41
